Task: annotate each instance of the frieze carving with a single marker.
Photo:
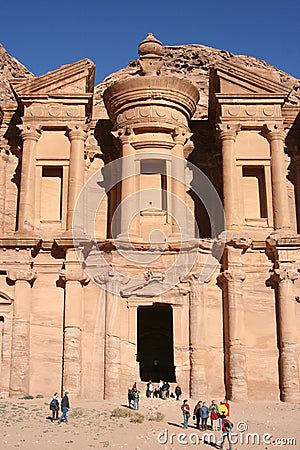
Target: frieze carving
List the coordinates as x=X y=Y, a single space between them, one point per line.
x=153 y=112
x=54 y=110
x=249 y=112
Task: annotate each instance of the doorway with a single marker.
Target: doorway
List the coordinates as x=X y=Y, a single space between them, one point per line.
x=155 y=347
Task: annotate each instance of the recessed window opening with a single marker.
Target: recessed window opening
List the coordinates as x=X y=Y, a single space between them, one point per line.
x=153 y=184
x=254 y=192
x=51 y=193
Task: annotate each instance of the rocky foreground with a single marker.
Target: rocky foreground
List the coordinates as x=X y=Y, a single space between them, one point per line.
x=25 y=423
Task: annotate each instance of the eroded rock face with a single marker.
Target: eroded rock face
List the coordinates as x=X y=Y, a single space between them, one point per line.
x=193 y=62
x=10 y=68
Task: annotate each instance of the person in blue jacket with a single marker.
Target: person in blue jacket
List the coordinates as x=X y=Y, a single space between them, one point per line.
x=204 y=412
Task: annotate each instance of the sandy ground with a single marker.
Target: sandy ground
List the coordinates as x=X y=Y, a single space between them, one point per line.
x=26 y=424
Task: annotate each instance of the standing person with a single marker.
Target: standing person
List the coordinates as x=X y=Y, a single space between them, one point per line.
x=130 y=397
x=65 y=406
x=136 y=398
x=178 y=392
x=223 y=412
x=226 y=403
x=185 y=408
x=54 y=406
x=161 y=383
x=226 y=432
x=197 y=413
x=204 y=411
x=214 y=416
x=149 y=390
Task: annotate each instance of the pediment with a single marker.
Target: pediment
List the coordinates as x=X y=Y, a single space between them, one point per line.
x=229 y=78
x=72 y=79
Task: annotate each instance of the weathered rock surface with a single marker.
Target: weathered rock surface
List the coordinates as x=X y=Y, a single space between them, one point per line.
x=193 y=62
x=10 y=68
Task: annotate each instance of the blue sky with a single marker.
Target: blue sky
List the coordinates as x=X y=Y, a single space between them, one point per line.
x=46 y=35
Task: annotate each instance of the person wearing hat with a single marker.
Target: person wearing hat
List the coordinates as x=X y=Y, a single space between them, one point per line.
x=65 y=406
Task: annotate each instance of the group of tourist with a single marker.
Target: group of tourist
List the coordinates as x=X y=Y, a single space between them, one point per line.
x=218 y=417
x=162 y=390
x=56 y=404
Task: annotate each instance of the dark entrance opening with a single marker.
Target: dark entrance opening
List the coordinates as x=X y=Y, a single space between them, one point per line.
x=155 y=343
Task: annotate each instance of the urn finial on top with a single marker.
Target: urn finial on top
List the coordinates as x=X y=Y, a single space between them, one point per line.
x=150 y=51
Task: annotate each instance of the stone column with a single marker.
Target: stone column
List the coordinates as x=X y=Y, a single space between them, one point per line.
x=198 y=381
x=112 y=355
x=276 y=137
x=30 y=136
x=128 y=185
x=228 y=135
x=296 y=161
x=288 y=354
x=178 y=185
x=77 y=137
x=72 y=330
x=235 y=355
x=20 y=349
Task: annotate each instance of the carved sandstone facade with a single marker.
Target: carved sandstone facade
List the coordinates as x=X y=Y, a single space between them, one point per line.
x=141 y=238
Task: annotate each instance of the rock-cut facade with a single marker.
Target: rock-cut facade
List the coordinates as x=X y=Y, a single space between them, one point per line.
x=149 y=227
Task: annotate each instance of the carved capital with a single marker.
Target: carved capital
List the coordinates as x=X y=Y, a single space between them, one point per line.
x=74 y=275
x=228 y=131
x=29 y=131
x=78 y=132
x=274 y=131
x=124 y=135
x=181 y=136
x=284 y=275
x=229 y=275
x=22 y=275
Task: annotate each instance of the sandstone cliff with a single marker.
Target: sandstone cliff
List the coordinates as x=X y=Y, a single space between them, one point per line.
x=193 y=62
x=10 y=68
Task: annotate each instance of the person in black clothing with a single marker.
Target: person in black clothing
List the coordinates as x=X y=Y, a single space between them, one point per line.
x=65 y=405
x=178 y=392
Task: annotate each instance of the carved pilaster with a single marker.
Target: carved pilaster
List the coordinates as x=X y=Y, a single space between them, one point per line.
x=30 y=135
x=77 y=136
x=235 y=355
x=198 y=378
x=288 y=354
x=275 y=134
x=74 y=280
x=228 y=133
x=20 y=350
